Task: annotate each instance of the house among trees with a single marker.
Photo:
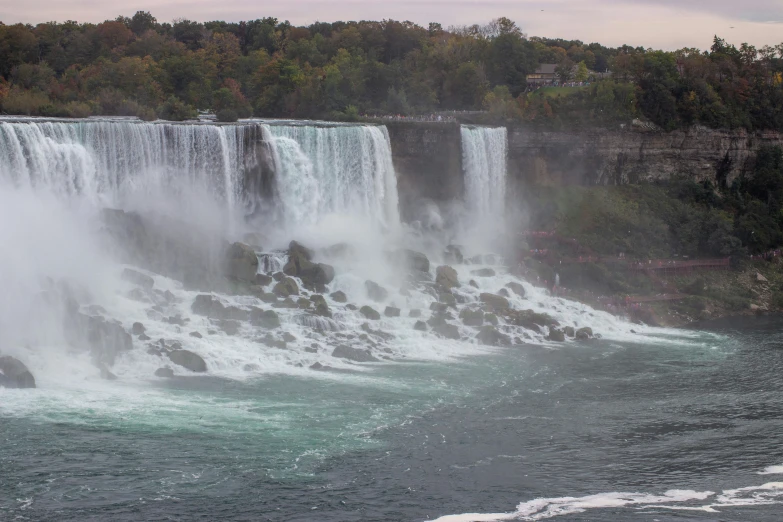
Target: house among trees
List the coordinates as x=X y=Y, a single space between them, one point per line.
x=545 y=74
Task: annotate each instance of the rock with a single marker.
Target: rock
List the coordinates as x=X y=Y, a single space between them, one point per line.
x=556 y=335
x=446 y=277
x=391 y=311
x=353 y=354
x=369 y=313
x=472 y=317
x=528 y=319
x=106 y=374
x=14 y=374
x=453 y=254
x=288 y=337
x=412 y=260
x=504 y=293
x=229 y=326
x=196 y=335
x=207 y=305
x=264 y=318
x=165 y=373
x=270 y=341
x=375 y=291
x=490 y=336
x=449 y=331
x=351 y=306
x=254 y=240
x=278 y=276
x=569 y=331
x=339 y=296
x=483 y=272
x=317 y=366
x=448 y=299
x=517 y=288
x=760 y=278
x=322 y=309
x=439 y=307
x=297 y=249
x=491 y=319
x=137 y=278
x=494 y=302
x=179 y=321
x=473 y=283
x=414 y=313
x=106 y=340
x=144 y=337
x=286 y=287
x=583 y=334
x=313 y=275
x=420 y=326
x=241 y=263
x=189 y=360
x=138 y=329
x=263 y=280
x=268 y=297
x=304 y=303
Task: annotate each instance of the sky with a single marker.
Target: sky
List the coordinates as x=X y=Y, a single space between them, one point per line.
x=661 y=24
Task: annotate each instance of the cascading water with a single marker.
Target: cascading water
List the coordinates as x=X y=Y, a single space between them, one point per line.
x=484 y=165
x=109 y=161
x=344 y=169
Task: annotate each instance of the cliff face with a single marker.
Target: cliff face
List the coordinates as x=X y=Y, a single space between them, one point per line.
x=631 y=155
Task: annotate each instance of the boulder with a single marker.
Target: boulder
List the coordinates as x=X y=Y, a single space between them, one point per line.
x=473 y=283
x=446 y=330
x=391 y=311
x=304 y=303
x=286 y=287
x=446 y=277
x=412 y=260
x=229 y=326
x=472 y=317
x=490 y=336
x=556 y=335
x=483 y=272
x=504 y=293
x=144 y=337
x=420 y=326
x=339 y=296
x=439 y=307
x=375 y=291
x=137 y=329
x=207 y=305
x=351 y=306
x=196 y=335
x=528 y=319
x=278 y=276
x=453 y=254
x=14 y=374
x=321 y=308
x=137 y=278
x=297 y=249
x=760 y=278
x=517 y=288
x=494 y=301
x=264 y=318
x=254 y=240
x=353 y=354
x=414 y=313
x=241 y=262
x=491 y=319
x=263 y=279
x=583 y=334
x=369 y=313
x=164 y=373
x=189 y=360
x=105 y=339
x=569 y=331
x=448 y=299
x=313 y=275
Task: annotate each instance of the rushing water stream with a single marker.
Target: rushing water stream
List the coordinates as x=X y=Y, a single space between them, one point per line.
x=639 y=424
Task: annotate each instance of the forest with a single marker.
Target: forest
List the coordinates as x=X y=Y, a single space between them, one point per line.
x=136 y=66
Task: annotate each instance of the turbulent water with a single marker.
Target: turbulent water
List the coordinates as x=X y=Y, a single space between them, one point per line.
x=484 y=162
x=641 y=423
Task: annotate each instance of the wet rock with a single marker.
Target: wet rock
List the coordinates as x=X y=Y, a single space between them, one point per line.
x=528 y=319
x=446 y=277
x=490 y=336
x=412 y=260
x=169 y=297
x=196 y=335
x=144 y=337
x=583 y=334
x=473 y=283
x=229 y=326
x=453 y=254
x=286 y=287
x=138 y=329
x=263 y=280
x=377 y=333
x=264 y=318
x=339 y=296
x=268 y=297
x=483 y=272
x=297 y=249
x=179 y=321
x=317 y=366
x=491 y=319
x=313 y=348
x=391 y=311
x=140 y=295
x=350 y=306
x=448 y=299
x=14 y=374
x=304 y=303
x=517 y=288
x=254 y=240
x=287 y=337
x=270 y=341
x=313 y=275
x=472 y=317
x=420 y=326
x=278 y=276
x=137 y=278
x=105 y=339
x=556 y=335
x=353 y=354
x=207 y=305
x=375 y=291
x=569 y=331
x=504 y=293
x=494 y=301
x=369 y=313
x=189 y=360
x=241 y=262
x=414 y=313
x=439 y=307
x=106 y=374
x=446 y=330
x=164 y=373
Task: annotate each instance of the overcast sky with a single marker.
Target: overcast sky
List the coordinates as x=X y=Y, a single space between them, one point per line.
x=667 y=24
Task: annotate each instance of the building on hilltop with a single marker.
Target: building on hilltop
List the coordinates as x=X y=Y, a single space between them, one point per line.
x=544 y=75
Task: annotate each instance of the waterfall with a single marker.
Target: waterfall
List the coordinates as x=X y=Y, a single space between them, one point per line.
x=109 y=160
x=343 y=169
x=484 y=165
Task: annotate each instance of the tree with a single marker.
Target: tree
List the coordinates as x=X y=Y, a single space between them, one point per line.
x=582 y=73
x=565 y=70
x=141 y=22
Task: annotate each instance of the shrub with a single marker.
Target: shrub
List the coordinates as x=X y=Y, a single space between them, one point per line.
x=227 y=115
x=174 y=109
x=30 y=103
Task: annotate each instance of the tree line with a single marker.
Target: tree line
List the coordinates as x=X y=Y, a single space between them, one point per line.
x=136 y=66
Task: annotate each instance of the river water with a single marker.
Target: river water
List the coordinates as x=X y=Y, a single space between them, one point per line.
x=674 y=428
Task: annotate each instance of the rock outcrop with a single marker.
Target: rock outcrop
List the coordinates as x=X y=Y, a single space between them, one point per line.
x=189 y=360
x=14 y=374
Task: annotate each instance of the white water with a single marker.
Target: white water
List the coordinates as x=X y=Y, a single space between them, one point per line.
x=484 y=155
x=327 y=170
